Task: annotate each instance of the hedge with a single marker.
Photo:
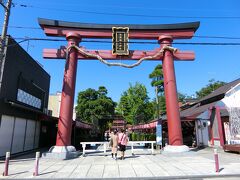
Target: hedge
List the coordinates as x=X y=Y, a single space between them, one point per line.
x=142 y=137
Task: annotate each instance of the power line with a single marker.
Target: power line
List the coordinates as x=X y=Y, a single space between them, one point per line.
x=119 y=6
x=195 y=36
x=24 y=27
x=132 y=42
x=39 y=39
x=208 y=43
x=216 y=37
x=132 y=15
x=31 y=39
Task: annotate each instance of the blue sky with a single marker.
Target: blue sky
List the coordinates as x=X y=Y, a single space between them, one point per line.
x=218 y=62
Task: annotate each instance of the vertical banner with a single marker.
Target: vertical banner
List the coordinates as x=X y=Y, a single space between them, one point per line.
x=159 y=133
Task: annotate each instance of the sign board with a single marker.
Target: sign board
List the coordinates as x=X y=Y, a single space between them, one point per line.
x=120 y=40
x=159 y=133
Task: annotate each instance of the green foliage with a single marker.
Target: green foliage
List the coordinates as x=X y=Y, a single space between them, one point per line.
x=162 y=106
x=152 y=137
x=157 y=78
x=109 y=124
x=211 y=86
x=157 y=81
x=93 y=105
x=183 y=97
x=142 y=137
x=134 y=104
x=133 y=136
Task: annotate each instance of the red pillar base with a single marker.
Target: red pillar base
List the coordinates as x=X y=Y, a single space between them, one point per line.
x=176 y=149
x=61 y=152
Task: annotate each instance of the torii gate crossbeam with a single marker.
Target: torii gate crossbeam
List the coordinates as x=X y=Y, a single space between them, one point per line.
x=74 y=32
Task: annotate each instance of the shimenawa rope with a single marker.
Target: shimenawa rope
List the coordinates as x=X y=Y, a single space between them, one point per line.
x=87 y=54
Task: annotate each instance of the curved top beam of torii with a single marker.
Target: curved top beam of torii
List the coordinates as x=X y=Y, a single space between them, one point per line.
x=137 y=31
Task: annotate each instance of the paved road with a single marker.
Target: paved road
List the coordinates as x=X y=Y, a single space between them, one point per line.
x=192 y=165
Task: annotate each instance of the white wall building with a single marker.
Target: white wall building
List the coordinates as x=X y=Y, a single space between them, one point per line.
x=217 y=116
x=54 y=103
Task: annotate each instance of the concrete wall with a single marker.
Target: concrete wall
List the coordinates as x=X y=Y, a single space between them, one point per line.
x=232 y=97
x=202 y=132
x=18 y=134
x=54 y=102
x=202 y=129
x=232 y=104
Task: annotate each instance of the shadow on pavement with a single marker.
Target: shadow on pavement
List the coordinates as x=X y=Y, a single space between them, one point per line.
x=221 y=169
x=18 y=173
x=48 y=172
x=131 y=157
x=26 y=155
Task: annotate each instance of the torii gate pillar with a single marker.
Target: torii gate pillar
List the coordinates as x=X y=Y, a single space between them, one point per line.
x=63 y=148
x=170 y=89
x=172 y=108
x=68 y=90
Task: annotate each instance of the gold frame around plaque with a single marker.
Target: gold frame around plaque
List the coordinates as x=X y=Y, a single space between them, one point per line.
x=120 y=40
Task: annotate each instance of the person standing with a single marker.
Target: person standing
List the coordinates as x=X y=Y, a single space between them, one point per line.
x=114 y=139
x=122 y=142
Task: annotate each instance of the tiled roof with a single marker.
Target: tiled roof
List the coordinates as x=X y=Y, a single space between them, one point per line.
x=207 y=102
x=195 y=110
x=221 y=90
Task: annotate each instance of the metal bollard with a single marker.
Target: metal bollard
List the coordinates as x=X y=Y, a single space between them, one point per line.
x=5 y=173
x=36 y=164
x=216 y=160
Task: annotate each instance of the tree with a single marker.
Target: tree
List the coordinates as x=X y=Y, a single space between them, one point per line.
x=102 y=91
x=93 y=105
x=134 y=104
x=96 y=107
x=210 y=87
x=162 y=104
x=158 y=83
x=183 y=97
x=157 y=79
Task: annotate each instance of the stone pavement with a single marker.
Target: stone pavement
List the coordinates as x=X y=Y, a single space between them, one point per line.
x=192 y=165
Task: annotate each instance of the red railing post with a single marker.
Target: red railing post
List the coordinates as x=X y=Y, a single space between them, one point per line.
x=5 y=173
x=36 y=164
x=216 y=160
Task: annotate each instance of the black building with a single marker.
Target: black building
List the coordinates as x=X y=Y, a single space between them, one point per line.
x=24 y=90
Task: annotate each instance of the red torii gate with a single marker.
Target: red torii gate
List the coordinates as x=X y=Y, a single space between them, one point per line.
x=74 y=32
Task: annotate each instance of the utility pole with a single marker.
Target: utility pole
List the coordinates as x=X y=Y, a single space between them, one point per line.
x=5 y=27
x=4 y=34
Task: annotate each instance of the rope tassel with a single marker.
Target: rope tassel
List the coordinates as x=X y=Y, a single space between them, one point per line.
x=84 y=53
